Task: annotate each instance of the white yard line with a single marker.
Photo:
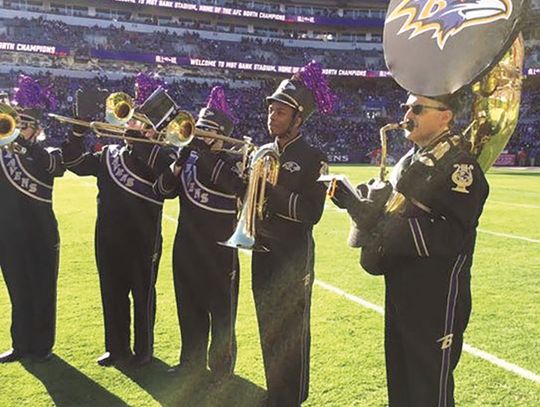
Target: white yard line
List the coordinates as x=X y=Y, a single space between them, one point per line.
x=509 y=236
x=510 y=367
x=528 y=206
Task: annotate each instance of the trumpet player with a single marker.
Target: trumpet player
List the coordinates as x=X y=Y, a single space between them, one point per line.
x=283 y=277
x=421 y=237
x=206 y=274
x=29 y=239
x=128 y=233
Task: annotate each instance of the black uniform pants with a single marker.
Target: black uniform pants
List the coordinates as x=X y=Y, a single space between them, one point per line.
x=206 y=279
x=282 y=286
x=128 y=265
x=427 y=309
x=29 y=261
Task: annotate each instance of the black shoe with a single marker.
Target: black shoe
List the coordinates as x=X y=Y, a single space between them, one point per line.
x=11 y=356
x=139 y=361
x=42 y=357
x=111 y=359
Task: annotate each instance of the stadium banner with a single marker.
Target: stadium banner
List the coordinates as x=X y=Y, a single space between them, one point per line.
x=34 y=48
x=366 y=22
x=232 y=65
x=505 y=160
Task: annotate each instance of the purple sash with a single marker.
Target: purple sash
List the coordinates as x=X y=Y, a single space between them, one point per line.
x=202 y=196
x=126 y=179
x=23 y=180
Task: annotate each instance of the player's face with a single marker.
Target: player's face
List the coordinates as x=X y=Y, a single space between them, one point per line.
x=279 y=118
x=28 y=132
x=430 y=119
x=214 y=143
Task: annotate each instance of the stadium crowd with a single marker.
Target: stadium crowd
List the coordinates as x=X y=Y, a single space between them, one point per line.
x=81 y=39
x=350 y=133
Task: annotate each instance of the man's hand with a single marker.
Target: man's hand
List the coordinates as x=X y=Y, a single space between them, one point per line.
x=417 y=182
x=366 y=207
x=25 y=144
x=199 y=145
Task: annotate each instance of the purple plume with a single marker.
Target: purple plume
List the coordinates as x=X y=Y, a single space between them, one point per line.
x=218 y=101
x=313 y=78
x=30 y=94
x=145 y=85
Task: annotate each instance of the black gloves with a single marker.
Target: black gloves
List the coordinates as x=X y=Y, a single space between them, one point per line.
x=199 y=145
x=418 y=182
x=26 y=146
x=367 y=206
x=183 y=156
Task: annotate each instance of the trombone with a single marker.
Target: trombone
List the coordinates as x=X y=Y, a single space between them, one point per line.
x=10 y=129
x=119 y=109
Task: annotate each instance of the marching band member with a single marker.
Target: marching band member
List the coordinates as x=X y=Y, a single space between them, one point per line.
x=29 y=239
x=283 y=276
x=423 y=244
x=206 y=274
x=128 y=236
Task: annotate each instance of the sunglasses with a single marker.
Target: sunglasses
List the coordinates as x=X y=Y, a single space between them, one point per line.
x=418 y=109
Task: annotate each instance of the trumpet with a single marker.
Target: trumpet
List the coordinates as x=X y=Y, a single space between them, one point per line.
x=264 y=166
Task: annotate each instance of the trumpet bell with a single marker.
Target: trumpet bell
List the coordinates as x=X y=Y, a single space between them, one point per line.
x=179 y=132
x=242 y=238
x=9 y=124
x=119 y=108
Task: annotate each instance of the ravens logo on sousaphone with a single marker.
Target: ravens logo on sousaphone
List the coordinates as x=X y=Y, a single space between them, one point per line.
x=436 y=47
x=447 y=18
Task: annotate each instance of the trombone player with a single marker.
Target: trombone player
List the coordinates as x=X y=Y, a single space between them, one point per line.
x=128 y=231
x=206 y=274
x=29 y=239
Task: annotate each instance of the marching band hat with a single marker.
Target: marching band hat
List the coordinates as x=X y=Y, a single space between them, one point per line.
x=159 y=108
x=217 y=115
x=308 y=90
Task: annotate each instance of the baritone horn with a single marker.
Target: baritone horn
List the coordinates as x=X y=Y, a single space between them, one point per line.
x=264 y=167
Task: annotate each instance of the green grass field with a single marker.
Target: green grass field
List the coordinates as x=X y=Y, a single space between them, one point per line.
x=347 y=364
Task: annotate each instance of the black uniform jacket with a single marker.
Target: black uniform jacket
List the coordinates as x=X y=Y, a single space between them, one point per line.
x=444 y=190
x=26 y=186
x=296 y=203
x=125 y=176
x=207 y=187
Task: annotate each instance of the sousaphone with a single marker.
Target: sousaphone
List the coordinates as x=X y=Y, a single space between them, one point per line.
x=438 y=47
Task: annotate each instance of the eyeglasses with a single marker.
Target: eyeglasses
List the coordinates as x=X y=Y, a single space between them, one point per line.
x=418 y=109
